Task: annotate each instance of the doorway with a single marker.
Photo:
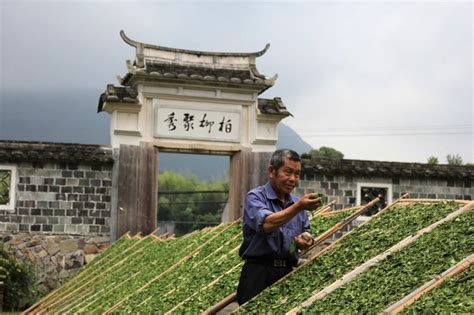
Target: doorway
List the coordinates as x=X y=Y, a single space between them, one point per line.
x=193 y=191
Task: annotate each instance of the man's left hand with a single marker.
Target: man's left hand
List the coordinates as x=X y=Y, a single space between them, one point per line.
x=304 y=241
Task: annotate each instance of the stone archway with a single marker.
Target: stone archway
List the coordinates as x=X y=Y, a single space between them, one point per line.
x=187 y=101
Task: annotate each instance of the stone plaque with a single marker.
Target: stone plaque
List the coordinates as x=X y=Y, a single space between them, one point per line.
x=187 y=123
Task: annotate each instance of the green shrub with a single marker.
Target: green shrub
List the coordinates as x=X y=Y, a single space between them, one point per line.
x=19 y=282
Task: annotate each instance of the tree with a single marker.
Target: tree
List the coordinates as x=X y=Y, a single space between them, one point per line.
x=189 y=203
x=454 y=159
x=432 y=160
x=326 y=153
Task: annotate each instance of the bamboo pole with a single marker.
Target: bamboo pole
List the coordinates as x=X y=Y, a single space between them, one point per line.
x=138 y=236
x=144 y=301
x=392 y=205
x=340 y=225
x=324 y=208
x=96 y=295
x=375 y=260
x=461 y=266
x=312 y=214
x=158 y=238
x=2 y=290
x=65 y=308
x=91 y=280
x=92 y=277
x=154 y=231
x=166 y=236
x=57 y=291
x=210 y=284
x=327 y=209
x=421 y=200
x=330 y=213
x=123 y=260
x=223 y=303
x=123 y=300
x=215 y=251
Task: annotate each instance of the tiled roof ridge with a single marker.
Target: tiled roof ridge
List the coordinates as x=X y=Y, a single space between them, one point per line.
x=28 y=142
x=386 y=168
x=215 y=66
x=306 y=156
x=172 y=65
x=137 y=44
x=171 y=72
x=202 y=66
x=37 y=151
x=250 y=69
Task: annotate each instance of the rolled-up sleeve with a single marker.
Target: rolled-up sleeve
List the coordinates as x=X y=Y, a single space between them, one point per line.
x=256 y=210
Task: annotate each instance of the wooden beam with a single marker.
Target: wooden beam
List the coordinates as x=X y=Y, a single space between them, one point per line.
x=223 y=303
x=331 y=213
x=137 y=189
x=239 y=174
x=434 y=200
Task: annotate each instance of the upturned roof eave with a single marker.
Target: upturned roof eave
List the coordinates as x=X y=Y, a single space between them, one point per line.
x=136 y=44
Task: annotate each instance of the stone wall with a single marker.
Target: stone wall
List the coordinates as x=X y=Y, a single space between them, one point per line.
x=62 y=210
x=343 y=189
x=54 y=257
x=60 y=198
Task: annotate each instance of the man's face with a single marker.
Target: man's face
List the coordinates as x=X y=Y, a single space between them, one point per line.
x=286 y=178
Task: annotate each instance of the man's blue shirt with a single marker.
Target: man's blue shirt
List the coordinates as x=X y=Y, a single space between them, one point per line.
x=261 y=202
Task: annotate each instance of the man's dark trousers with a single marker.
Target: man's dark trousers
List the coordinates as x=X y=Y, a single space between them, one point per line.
x=256 y=275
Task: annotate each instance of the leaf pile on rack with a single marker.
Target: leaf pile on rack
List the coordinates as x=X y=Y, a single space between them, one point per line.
x=455 y=295
x=388 y=257
x=404 y=271
x=357 y=247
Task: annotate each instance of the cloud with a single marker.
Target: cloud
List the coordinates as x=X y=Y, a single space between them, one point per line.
x=340 y=64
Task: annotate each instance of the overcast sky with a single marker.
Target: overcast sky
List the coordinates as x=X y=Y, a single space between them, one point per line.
x=376 y=80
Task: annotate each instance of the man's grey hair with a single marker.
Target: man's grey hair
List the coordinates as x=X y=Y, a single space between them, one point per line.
x=278 y=158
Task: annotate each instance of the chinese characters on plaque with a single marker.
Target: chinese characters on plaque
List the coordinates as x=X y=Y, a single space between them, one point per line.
x=198 y=124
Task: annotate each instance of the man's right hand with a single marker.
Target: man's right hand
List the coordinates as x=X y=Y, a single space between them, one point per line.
x=309 y=202
x=275 y=220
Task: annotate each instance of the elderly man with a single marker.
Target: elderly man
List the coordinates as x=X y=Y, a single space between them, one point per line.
x=275 y=226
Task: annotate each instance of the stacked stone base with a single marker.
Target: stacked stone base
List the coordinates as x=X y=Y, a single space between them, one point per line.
x=54 y=257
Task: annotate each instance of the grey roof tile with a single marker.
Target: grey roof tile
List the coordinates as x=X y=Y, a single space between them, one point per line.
x=273 y=106
x=385 y=169
x=117 y=94
x=29 y=151
x=159 y=70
